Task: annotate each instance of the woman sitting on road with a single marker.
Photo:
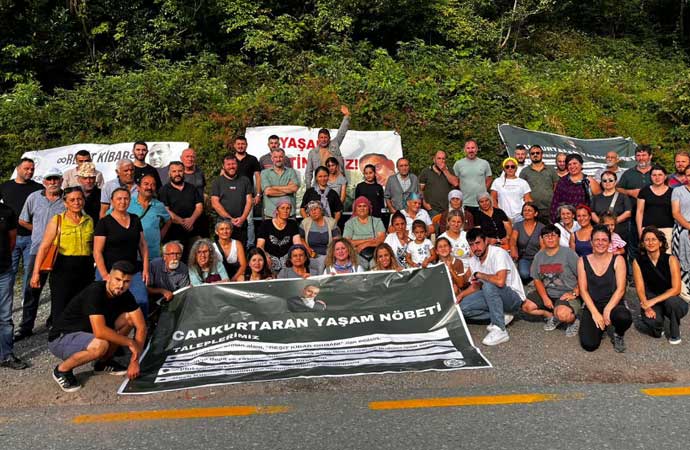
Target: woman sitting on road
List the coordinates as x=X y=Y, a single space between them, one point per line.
x=602 y=279
x=297 y=264
x=657 y=282
x=364 y=231
x=317 y=231
x=204 y=264
x=278 y=234
x=567 y=224
x=258 y=266
x=384 y=259
x=341 y=258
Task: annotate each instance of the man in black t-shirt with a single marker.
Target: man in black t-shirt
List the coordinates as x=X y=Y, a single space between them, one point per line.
x=14 y=194
x=231 y=197
x=141 y=167
x=94 y=324
x=248 y=166
x=185 y=206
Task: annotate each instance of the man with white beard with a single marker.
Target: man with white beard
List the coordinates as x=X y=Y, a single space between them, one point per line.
x=168 y=274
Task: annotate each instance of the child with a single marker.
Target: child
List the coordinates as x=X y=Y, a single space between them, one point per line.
x=617 y=245
x=420 y=252
x=370 y=189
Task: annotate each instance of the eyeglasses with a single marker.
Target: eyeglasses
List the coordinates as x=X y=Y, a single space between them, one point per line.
x=510 y=167
x=608 y=180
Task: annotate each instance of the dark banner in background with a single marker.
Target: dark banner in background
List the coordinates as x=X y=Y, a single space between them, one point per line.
x=593 y=151
x=373 y=322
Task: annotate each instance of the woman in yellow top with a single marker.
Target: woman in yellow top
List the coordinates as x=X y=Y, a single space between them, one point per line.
x=73 y=269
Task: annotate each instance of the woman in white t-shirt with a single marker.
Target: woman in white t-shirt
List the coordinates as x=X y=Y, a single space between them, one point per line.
x=567 y=224
x=457 y=237
x=509 y=192
x=399 y=239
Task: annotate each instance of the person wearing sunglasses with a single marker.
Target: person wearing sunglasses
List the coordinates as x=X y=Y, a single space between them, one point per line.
x=509 y=192
x=612 y=200
x=542 y=179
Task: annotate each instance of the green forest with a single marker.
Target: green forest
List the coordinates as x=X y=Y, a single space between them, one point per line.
x=437 y=71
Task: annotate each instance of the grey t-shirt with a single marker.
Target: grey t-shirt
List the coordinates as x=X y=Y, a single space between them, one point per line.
x=557 y=272
x=38 y=211
x=356 y=230
x=472 y=174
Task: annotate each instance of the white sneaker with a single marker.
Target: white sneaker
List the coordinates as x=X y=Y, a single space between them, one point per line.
x=507 y=318
x=496 y=336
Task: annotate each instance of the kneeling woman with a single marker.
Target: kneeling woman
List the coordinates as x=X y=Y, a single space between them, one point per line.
x=601 y=277
x=657 y=281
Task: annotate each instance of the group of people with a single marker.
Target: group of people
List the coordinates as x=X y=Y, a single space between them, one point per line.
x=128 y=242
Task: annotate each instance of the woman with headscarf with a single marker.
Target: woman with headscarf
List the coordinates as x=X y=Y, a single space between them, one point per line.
x=414 y=211
x=575 y=188
x=509 y=192
x=322 y=193
x=278 y=234
x=454 y=203
x=364 y=231
x=317 y=231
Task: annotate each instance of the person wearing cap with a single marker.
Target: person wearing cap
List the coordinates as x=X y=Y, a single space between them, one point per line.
x=520 y=156
x=576 y=188
x=322 y=193
x=435 y=182
x=317 y=231
x=124 y=169
x=86 y=176
x=509 y=192
x=414 y=211
x=542 y=179
x=39 y=209
x=440 y=221
x=71 y=176
x=364 y=231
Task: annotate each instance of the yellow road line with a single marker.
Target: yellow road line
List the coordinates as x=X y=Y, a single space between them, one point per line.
x=189 y=413
x=666 y=392
x=483 y=400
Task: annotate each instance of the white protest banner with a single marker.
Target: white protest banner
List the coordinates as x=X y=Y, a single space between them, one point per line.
x=379 y=148
x=104 y=156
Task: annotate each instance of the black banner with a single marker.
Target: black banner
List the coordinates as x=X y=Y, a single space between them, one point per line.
x=371 y=322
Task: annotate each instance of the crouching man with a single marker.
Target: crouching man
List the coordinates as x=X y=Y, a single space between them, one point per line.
x=495 y=292
x=94 y=324
x=556 y=298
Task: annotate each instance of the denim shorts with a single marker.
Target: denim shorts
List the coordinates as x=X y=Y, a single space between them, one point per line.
x=68 y=344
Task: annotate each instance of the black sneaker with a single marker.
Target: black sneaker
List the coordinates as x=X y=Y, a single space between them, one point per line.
x=20 y=335
x=66 y=380
x=14 y=363
x=618 y=343
x=111 y=367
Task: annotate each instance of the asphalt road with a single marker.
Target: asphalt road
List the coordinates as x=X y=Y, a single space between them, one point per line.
x=543 y=392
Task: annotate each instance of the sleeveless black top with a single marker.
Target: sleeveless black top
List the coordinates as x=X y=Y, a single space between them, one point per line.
x=657 y=279
x=601 y=288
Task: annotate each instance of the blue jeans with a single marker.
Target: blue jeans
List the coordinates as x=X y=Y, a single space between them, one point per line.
x=138 y=290
x=32 y=299
x=524 y=266
x=6 y=325
x=21 y=250
x=491 y=303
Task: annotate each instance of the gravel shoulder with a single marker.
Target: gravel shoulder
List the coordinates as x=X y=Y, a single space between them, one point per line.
x=531 y=358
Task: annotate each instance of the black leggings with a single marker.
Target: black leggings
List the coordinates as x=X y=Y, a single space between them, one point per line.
x=69 y=277
x=590 y=335
x=674 y=308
